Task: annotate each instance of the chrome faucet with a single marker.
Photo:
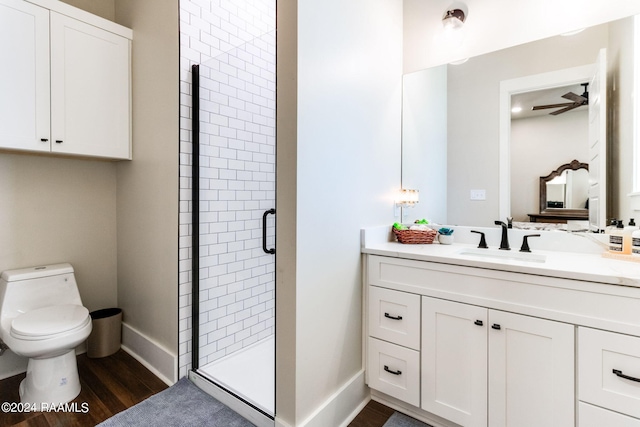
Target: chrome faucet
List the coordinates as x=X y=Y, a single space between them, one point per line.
x=504 y=243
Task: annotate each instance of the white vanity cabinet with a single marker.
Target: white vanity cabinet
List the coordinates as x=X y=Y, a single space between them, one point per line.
x=502 y=348
x=65 y=81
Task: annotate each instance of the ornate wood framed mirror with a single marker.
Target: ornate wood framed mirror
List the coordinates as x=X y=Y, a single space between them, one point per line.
x=564 y=194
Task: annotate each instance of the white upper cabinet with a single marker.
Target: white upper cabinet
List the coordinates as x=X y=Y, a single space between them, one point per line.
x=89 y=90
x=24 y=76
x=67 y=80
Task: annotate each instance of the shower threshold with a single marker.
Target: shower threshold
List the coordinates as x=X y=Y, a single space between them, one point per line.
x=248 y=373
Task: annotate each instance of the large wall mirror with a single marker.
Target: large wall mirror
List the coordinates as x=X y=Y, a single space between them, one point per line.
x=451 y=128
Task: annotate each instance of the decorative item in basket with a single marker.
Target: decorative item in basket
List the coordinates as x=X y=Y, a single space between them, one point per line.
x=416 y=234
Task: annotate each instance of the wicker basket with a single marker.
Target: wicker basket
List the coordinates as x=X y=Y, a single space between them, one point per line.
x=415 y=236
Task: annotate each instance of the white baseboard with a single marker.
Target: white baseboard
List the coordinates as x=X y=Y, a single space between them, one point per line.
x=156 y=358
x=343 y=406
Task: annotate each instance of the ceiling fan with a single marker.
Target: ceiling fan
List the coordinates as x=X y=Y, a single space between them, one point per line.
x=577 y=101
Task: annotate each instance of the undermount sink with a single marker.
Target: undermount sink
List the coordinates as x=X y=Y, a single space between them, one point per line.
x=496 y=254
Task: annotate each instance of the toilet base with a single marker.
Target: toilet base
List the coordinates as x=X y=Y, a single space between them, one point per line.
x=52 y=381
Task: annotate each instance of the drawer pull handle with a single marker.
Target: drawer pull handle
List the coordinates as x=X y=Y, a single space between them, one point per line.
x=388 y=316
x=478 y=322
x=496 y=326
x=386 y=368
x=626 y=377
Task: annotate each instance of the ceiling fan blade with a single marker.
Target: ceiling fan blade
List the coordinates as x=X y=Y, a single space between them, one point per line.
x=564 y=110
x=575 y=98
x=542 y=107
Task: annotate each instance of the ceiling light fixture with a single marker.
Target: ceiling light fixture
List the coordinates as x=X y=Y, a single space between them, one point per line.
x=453 y=19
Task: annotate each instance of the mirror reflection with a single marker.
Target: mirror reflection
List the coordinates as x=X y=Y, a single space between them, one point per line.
x=563 y=195
x=470 y=132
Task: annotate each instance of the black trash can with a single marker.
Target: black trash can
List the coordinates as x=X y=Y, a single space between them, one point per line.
x=106 y=334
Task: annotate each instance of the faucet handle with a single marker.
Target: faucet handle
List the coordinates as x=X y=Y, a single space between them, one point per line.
x=525 y=242
x=509 y=222
x=483 y=242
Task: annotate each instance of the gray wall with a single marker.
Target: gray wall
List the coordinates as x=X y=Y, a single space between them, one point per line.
x=147 y=187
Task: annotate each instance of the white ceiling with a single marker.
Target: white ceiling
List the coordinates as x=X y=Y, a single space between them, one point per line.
x=543 y=97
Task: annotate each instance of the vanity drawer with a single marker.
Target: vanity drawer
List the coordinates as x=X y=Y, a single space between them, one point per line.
x=394 y=316
x=592 y=416
x=601 y=353
x=394 y=370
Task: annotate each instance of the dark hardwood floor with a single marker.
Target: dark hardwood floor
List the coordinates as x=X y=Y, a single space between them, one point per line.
x=109 y=385
x=373 y=415
x=114 y=383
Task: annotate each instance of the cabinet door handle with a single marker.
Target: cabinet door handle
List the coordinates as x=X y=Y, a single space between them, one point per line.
x=386 y=368
x=58 y=141
x=44 y=139
x=496 y=326
x=478 y=322
x=388 y=316
x=626 y=377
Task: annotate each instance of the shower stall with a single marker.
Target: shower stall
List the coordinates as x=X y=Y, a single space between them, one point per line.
x=233 y=224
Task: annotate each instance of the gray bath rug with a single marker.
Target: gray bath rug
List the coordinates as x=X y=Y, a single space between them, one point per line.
x=401 y=420
x=181 y=405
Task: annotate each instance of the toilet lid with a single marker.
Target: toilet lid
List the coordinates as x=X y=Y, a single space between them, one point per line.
x=50 y=320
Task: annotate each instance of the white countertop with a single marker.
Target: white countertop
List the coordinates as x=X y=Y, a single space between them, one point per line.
x=567 y=265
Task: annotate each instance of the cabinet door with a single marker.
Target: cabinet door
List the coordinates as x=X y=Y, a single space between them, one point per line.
x=90 y=102
x=454 y=361
x=531 y=365
x=24 y=76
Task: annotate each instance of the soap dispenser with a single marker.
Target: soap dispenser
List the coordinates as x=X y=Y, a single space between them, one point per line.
x=616 y=238
x=635 y=243
x=633 y=236
x=612 y=226
x=627 y=236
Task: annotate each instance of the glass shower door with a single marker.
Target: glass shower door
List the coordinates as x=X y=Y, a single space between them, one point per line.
x=236 y=231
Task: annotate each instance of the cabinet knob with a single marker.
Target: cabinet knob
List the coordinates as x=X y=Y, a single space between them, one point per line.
x=388 y=316
x=496 y=326
x=478 y=322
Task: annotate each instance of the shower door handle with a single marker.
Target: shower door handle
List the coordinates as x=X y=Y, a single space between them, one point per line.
x=264 y=232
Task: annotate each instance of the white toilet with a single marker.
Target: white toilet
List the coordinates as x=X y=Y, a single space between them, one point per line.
x=42 y=318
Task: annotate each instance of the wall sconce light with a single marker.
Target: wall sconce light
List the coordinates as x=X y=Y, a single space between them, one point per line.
x=453 y=19
x=408 y=198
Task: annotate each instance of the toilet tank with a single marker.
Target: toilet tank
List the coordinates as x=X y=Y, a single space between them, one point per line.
x=27 y=289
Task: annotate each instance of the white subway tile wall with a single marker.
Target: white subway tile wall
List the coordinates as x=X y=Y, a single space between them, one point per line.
x=234 y=41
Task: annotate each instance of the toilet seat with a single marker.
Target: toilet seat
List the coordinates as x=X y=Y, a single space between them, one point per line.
x=47 y=322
